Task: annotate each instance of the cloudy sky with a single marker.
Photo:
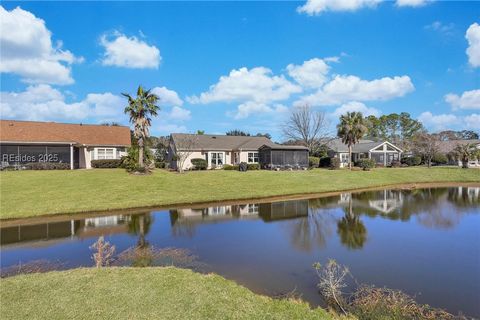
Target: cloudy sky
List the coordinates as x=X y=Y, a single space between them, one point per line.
x=228 y=65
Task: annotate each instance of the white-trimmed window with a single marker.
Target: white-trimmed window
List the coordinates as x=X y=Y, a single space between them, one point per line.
x=216 y=159
x=105 y=153
x=252 y=157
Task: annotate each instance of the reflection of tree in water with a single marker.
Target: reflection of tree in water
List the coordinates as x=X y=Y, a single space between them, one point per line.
x=351 y=229
x=313 y=229
x=139 y=224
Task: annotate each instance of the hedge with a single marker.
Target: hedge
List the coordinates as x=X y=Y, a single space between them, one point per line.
x=334 y=163
x=313 y=162
x=253 y=166
x=366 y=164
x=230 y=167
x=47 y=166
x=412 y=161
x=199 y=164
x=106 y=163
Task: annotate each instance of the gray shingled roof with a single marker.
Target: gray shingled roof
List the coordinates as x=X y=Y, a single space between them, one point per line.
x=362 y=146
x=449 y=146
x=219 y=142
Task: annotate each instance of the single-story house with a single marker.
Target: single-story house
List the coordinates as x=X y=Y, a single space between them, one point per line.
x=219 y=150
x=382 y=152
x=23 y=142
x=448 y=148
x=277 y=156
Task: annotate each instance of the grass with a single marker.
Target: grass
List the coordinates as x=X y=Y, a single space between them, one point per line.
x=140 y=293
x=34 y=193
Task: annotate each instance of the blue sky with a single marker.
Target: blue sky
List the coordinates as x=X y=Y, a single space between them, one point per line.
x=241 y=65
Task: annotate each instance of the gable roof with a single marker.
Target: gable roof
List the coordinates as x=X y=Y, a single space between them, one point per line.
x=54 y=132
x=275 y=146
x=362 y=146
x=450 y=145
x=201 y=142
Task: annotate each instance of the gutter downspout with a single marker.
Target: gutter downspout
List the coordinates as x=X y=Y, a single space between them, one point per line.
x=71 y=156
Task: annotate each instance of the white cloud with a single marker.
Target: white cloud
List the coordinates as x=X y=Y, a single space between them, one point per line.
x=242 y=85
x=167 y=97
x=312 y=73
x=356 y=106
x=168 y=128
x=351 y=88
x=473 y=121
x=411 y=3
x=446 y=29
x=438 y=122
x=468 y=100
x=26 y=49
x=316 y=7
x=178 y=113
x=42 y=102
x=473 y=51
x=129 y=52
x=246 y=109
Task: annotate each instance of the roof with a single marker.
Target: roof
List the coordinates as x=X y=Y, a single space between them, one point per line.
x=201 y=142
x=54 y=132
x=449 y=145
x=362 y=146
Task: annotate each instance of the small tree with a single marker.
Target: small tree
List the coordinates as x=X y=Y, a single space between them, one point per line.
x=184 y=148
x=351 y=129
x=426 y=145
x=307 y=126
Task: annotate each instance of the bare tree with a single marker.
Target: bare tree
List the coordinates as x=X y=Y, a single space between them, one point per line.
x=426 y=145
x=307 y=126
x=184 y=148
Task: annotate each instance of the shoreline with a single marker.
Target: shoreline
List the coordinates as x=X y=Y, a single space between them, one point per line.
x=77 y=215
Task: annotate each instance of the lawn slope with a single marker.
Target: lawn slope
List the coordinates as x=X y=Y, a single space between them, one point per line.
x=33 y=193
x=140 y=293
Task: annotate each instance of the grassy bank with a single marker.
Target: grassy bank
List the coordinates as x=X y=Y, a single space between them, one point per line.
x=33 y=193
x=140 y=293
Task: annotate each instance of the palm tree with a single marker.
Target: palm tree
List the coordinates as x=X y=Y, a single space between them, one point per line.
x=464 y=152
x=140 y=110
x=351 y=129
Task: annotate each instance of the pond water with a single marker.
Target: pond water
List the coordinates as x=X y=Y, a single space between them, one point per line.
x=425 y=242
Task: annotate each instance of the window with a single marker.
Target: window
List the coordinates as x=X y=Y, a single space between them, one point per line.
x=216 y=159
x=253 y=157
x=105 y=153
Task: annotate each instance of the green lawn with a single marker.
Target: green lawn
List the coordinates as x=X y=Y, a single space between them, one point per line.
x=140 y=293
x=33 y=193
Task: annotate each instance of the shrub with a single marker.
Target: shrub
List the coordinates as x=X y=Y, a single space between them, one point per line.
x=130 y=161
x=160 y=164
x=334 y=163
x=313 y=162
x=230 y=167
x=325 y=162
x=439 y=158
x=412 y=161
x=199 y=164
x=106 y=163
x=253 y=166
x=395 y=164
x=366 y=164
x=47 y=166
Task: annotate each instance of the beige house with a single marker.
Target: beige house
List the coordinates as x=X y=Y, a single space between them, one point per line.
x=218 y=150
x=23 y=142
x=382 y=152
x=448 y=148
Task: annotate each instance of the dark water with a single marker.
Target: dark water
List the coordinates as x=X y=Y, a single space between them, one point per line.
x=425 y=242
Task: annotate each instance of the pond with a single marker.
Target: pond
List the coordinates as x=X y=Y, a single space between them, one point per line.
x=425 y=242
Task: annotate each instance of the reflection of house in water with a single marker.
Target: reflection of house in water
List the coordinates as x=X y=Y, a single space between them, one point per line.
x=390 y=201
x=283 y=210
x=472 y=193
x=52 y=232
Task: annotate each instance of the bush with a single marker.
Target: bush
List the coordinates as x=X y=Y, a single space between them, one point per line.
x=325 y=162
x=366 y=164
x=412 y=161
x=253 y=166
x=439 y=158
x=334 y=163
x=395 y=164
x=199 y=164
x=106 y=163
x=47 y=166
x=313 y=162
x=230 y=167
x=160 y=164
